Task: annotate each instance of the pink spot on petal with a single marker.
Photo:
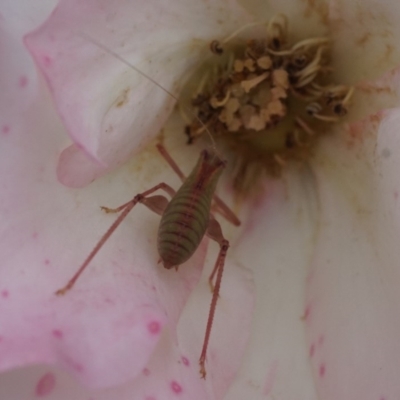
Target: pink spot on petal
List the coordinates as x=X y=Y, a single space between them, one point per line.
x=5 y=129
x=77 y=367
x=23 y=81
x=321 y=340
x=47 y=61
x=150 y=398
x=396 y=195
x=73 y=364
x=57 y=333
x=322 y=370
x=5 y=293
x=47 y=261
x=146 y=372
x=312 y=350
x=176 y=387
x=307 y=312
x=45 y=385
x=185 y=361
x=154 y=327
x=35 y=235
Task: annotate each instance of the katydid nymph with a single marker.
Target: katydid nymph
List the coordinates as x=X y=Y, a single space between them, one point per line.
x=185 y=219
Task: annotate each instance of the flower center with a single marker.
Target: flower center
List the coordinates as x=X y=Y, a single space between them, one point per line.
x=266 y=100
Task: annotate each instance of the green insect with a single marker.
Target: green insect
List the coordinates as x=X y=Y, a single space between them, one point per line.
x=185 y=219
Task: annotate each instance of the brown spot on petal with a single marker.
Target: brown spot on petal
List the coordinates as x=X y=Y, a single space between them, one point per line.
x=123 y=98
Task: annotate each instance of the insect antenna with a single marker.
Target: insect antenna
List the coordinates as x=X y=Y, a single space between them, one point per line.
x=140 y=72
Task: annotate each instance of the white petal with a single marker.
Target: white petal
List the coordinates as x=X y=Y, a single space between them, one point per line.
x=352 y=323
x=365 y=38
x=277 y=244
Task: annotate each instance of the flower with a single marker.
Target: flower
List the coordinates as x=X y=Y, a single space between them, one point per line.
x=329 y=331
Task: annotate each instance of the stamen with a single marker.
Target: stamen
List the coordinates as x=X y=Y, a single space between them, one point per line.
x=326 y=118
x=307 y=43
x=215 y=103
x=267 y=99
x=216 y=48
x=348 y=95
x=305 y=127
x=251 y=83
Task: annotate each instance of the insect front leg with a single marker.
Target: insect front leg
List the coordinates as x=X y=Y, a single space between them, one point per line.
x=155 y=203
x=214 y=232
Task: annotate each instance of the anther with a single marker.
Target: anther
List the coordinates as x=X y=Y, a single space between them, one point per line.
x=215 y=47
x=313 y=109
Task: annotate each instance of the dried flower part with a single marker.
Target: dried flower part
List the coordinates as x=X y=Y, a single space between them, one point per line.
x=269 y=100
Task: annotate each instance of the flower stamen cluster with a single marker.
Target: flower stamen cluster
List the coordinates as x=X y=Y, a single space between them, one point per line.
x=268 y=99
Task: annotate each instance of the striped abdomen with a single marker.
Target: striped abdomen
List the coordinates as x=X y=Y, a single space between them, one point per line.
x=182 y=227
x=185 y=220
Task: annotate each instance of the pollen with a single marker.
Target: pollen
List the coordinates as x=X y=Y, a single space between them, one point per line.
x=266 y=100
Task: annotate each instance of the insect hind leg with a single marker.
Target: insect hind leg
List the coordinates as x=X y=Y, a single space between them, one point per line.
x=214 y=232
x=154 y=203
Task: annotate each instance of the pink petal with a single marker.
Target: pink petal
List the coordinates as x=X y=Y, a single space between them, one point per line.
x=172 y=371
x=104 y=330
x=18 y=79
x=76 y=169
x=109 y=109
x=20 y=17
x=352 y=296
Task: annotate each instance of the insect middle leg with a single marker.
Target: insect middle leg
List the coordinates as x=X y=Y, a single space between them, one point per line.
x=155 y=203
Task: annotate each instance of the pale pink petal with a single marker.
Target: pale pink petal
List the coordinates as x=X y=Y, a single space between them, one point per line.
x=277 y=244
x=18 y=79
x=172 y=371
x=21 y=17
x=76 y=169
x=353 y=327
x=109 y=109
x=105 y=329
x=365 y=38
